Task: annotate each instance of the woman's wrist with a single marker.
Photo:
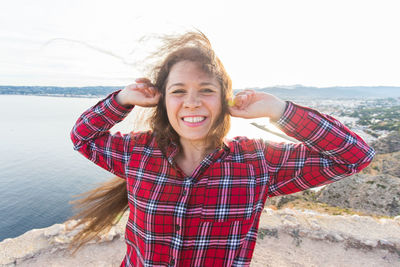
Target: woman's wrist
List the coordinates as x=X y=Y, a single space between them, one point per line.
x=276 y=109
x=121 y=101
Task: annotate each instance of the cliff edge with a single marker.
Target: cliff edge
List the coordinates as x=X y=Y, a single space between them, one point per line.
x=286 y=237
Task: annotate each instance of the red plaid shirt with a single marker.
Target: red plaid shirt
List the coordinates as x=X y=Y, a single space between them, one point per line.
x=211 y=218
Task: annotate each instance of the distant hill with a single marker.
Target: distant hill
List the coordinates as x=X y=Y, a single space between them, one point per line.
x=284 y=92
x=300 y=92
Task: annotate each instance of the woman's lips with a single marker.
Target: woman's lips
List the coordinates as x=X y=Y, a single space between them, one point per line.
x=194 y=121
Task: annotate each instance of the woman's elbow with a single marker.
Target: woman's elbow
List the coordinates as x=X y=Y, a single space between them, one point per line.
x=365 y=160
x=75 y=138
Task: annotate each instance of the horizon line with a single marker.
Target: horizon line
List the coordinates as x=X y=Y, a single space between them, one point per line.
x=289 y=87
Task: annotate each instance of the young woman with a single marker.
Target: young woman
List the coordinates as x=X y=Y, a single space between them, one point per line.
x=195 y=198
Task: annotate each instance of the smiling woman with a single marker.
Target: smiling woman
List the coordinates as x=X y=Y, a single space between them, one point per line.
x=194 y=197
x=193 y=101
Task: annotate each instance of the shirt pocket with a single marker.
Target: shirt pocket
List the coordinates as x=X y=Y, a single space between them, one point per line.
x=230 y=192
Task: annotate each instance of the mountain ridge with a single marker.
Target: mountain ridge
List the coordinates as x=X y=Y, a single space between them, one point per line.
x=296 y=91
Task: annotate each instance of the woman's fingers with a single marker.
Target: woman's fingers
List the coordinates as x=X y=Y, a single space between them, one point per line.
x=148 y=89
x=151 y=91
x=143 y=80
x=245 y=104
x=145 y=83
x=140 y=93
x=242 y=99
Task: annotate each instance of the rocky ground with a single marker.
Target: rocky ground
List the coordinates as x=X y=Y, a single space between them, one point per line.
x=388 y=164
x=372 y=194
x=387 y=144
x=375 y=191
x=286 y=237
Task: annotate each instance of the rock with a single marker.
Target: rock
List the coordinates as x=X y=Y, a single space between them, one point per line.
x=314 y=224
x=48 y=240
x=379 y=195
x=384 y=164
x=54 y=230
x=387 y=144
x=337 y=237
x=384 y=242
x=109 y=235
x=370 y=243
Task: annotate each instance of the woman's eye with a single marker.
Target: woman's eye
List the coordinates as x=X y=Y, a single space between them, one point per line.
x=178 y=91
x=207 y=90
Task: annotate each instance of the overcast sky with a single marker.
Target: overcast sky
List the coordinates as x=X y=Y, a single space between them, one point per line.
x=262 y=43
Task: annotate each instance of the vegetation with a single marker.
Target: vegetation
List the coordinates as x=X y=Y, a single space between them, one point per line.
x=306 y=204
x=379 y=118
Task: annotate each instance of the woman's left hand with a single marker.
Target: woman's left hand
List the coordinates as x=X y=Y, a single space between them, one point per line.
x=251 y=104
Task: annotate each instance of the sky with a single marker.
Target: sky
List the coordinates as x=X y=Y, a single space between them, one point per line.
x=261 y=43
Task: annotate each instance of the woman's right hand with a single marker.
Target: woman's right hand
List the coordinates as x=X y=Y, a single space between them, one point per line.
x=142 y=93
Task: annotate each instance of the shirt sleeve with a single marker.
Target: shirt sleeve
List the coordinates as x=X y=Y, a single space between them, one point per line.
x=328 y=151
x=91 y=137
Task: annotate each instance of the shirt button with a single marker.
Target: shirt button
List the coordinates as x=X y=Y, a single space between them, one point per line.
x=184 y=192
x=172 y=262
x=177 y=227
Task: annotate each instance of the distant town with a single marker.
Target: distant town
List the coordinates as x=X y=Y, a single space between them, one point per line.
x=371 y=118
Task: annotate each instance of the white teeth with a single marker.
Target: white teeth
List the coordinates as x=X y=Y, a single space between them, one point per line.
x=194 y=119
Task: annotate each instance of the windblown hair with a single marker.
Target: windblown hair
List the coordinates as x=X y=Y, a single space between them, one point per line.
x=99 y=210
x=101 y=206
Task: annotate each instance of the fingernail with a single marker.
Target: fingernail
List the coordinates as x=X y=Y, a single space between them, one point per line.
x=141 y=85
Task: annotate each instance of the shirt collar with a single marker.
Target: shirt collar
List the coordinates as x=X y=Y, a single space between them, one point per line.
x=216 y=156
x=171 y=152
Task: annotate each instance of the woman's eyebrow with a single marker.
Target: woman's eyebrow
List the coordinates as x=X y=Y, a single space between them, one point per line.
x=175 y=84
x=208 y=83
x=182 y=84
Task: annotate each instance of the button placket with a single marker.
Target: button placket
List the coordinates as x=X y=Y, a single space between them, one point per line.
x=179 y=218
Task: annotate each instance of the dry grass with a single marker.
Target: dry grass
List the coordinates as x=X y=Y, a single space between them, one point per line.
x=302 y=204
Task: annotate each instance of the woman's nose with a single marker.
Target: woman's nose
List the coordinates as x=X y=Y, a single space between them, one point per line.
x=192 y=101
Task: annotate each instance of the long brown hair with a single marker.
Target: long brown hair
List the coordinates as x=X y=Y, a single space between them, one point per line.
x=99 y=207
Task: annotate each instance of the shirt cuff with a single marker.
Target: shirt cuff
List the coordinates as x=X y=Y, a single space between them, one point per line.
x=299 y=122
x=286 y=114
x=116 y=105
x=112 y=109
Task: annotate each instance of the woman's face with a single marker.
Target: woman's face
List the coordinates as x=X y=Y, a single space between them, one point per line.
x=193 y=101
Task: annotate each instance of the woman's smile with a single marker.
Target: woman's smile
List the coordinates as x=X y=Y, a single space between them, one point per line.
x=194 y=121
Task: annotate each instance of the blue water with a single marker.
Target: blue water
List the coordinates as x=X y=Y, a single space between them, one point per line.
x=39 y=170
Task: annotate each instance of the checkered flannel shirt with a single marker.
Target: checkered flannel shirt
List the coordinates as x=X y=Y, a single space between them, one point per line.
x=211 y=218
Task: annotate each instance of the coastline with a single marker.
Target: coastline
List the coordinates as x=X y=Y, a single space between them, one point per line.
x=60 y=95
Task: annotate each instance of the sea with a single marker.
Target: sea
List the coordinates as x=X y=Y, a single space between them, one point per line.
x=40 y=173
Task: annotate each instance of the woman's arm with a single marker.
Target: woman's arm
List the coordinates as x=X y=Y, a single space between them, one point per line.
x=328 y=150
x=90 y=134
